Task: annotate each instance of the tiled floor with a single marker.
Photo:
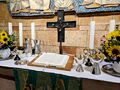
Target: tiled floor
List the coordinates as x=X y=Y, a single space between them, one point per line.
x=7 y=84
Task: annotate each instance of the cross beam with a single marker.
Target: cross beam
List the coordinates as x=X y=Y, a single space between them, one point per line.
x=61 y=25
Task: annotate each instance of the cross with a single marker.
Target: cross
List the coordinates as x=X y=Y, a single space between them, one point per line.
x=61 y=25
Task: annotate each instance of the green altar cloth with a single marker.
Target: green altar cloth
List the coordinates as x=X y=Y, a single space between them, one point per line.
x=34 y=80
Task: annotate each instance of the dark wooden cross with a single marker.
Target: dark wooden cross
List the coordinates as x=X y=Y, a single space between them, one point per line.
x=61 y=25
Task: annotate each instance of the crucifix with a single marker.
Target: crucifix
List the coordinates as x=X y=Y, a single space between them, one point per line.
x=61 y=25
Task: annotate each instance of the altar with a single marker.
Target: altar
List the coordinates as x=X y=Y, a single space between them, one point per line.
x=40 y=78
x=35 y=24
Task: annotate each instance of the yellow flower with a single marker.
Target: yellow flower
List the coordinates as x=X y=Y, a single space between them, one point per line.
x=118 y=55
x=4 y=34
x=113 y=34
x=113 y=51
x=111 y=47
x=0 y=36
x=106 y=44
x=5 y=39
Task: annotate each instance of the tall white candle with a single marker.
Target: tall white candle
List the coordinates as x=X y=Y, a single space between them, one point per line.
x=92 y=34
x=112 y=25
x=20 y=34
x=10 y=31
x=33 y=36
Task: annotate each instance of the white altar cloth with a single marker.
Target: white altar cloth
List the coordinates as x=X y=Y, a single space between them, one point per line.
x=72 y=73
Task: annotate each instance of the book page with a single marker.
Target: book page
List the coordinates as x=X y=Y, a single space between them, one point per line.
x=52 y=59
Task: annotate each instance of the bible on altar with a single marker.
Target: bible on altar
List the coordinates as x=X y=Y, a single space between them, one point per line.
x=52 y=59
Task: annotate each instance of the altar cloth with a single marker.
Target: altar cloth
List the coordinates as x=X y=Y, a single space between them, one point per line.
x=33 y=80
x=72 y=73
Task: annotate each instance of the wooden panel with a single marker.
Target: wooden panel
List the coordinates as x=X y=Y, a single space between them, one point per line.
x=6 y=71
x=99 y=85
x=69 y=50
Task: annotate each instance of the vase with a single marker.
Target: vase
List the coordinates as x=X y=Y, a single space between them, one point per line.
x=5 y=53
x=116 y=67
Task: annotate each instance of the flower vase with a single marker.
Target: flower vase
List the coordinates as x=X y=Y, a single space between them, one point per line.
x=5 y=53
x=116 y=67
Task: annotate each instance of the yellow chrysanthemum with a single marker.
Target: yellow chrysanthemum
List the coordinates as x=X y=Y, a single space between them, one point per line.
x=113 y=34
x=113 y=51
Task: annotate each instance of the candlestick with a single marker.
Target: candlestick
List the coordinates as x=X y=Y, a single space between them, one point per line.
x=10 y=28
x=20 y=34
x=33 y=33
x=112 y=25
x=92 y=33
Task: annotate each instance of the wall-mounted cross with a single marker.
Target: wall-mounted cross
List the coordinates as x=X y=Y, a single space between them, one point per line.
x=61 y=25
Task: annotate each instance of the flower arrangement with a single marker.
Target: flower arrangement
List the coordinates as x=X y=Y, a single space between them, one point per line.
x=6 y=41
x=110 y=46
x=97 y=55
x=94 y=54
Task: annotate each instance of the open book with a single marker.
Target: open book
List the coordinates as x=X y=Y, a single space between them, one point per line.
x=52 y=59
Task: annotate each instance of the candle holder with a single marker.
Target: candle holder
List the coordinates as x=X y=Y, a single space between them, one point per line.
x=20 y=48
x=88 y=63
x=85 y=54
x=96 y=57
x=96 y=69
x=27 y=46
x=79 y=68
x=36 y=48
x=16 y=57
